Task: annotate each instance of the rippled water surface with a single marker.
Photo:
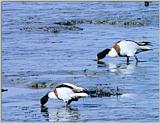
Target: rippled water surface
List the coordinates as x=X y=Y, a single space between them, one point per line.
x=36 y=48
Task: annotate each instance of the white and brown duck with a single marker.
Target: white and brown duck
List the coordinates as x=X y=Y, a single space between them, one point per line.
x=66 y=92
x=125 y=48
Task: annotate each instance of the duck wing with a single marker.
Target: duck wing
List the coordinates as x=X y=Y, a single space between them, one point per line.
x=75 y=88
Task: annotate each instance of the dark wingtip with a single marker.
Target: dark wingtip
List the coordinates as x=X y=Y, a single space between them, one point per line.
x=143 y=43
x=44 y=100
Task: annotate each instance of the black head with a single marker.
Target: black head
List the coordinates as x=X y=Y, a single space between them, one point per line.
x=44 y=99
x=102 y=54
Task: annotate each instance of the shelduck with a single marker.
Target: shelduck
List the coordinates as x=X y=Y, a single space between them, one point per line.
x=125 y=48
x=66 y=92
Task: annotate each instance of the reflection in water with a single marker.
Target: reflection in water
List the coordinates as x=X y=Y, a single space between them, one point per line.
x=60 y=114
x=118 y=68
x=45 y=113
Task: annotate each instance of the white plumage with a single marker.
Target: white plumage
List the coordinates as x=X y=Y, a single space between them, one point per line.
x=130 y=48
x=112 y=53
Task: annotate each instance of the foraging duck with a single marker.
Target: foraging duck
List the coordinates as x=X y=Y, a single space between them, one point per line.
x=66 y=92
x=125 y=48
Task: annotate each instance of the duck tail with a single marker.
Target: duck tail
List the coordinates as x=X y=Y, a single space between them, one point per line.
x=145 y=48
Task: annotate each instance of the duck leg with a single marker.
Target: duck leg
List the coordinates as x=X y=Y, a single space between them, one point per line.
x=127 y=59
x=136 y=59
x=67 y=103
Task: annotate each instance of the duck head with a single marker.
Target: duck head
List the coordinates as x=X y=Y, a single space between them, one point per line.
x=45 y=98
x=102 y=54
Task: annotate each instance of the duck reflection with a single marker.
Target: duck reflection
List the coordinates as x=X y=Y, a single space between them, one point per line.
x=118 y=68
x=45 y=113
x=60 y=114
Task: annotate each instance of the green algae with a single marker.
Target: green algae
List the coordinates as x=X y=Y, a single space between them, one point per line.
x=39 y=85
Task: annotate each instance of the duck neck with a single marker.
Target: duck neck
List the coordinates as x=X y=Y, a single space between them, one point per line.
x=52 y=95
x=112 y=53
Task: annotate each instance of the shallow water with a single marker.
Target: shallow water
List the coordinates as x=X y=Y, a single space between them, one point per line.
x=32 y=54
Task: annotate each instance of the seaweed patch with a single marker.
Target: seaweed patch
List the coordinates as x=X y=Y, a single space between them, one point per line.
x=39 y=85
x=104 y=90
x=125 y=22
